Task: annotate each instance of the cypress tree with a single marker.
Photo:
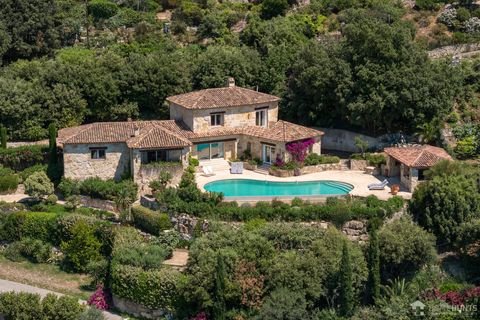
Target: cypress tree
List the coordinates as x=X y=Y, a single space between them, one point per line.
x=373 y=285
x=346 y=288
x=219 y=307
x=3 y=137
x=52 y=169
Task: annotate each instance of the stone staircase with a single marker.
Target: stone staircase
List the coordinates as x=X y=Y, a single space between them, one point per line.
x=217 y=165
x=345 y=163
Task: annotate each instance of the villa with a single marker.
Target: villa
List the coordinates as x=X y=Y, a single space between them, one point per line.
x=218 y=123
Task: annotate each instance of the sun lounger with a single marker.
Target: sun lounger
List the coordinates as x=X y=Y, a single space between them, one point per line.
x=208 y=171
x=378 y=186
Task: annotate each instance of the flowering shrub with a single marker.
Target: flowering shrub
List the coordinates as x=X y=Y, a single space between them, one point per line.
x=298 y=149
x=448 y=17
x=200 y=316
x=472 y=25
x=454 y=298
x=100 y=299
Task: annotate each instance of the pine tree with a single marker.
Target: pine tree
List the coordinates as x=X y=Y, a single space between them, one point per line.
x=373 y=268
x=219 y=308
x=346 y=289
x=52 y=169
x=3 y=137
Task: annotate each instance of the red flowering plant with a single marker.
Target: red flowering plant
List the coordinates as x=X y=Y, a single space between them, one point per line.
x=298 y=149
x=452 y=297
x=200 y=316
x=100 y=299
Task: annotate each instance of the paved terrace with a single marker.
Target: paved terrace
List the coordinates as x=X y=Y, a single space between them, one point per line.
x=358 y=179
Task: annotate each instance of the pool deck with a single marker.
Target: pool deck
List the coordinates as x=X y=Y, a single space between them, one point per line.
x=358 y=179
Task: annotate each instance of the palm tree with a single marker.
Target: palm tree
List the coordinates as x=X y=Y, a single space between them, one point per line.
x=123 y=200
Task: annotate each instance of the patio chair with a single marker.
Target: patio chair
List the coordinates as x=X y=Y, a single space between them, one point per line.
x=378 y=186
x=208 y=171
x=236 y=168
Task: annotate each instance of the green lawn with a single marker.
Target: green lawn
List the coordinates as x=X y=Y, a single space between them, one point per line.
x=45 y=276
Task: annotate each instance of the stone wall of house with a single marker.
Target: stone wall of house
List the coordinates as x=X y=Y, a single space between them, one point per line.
x=180 y=113
x=79 y=165
x=256 y=146
x=233 y=117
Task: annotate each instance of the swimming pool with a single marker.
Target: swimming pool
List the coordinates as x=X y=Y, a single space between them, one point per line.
x=259 y=188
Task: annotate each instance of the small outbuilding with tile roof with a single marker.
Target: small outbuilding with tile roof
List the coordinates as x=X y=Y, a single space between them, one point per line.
x=410 y=162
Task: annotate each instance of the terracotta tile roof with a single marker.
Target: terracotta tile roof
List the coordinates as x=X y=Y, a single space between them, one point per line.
x=151 y=134
x=424 y=156
x=156 y=136
x=170 y=133
x=221 y=97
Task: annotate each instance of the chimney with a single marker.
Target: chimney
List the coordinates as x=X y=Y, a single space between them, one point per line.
x=230 y=82
x=136 y=131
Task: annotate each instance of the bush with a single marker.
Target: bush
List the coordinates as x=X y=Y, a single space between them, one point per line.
x=147 y=257
x=39 y=225
x=92 y=314
x=193 y=162
x=69 y=187
x=8 y=183
x=23 y=157
x=51 y=199
x=154 y=289
x=108 y=189
x=34 y=250
x=29 y=306
x=38 y=185
x=313 y=159
x=31 y=170
x=404 y=248
x=100 y=299
x=82 y=248
x=64 y=307
x=466 y=148
x=102 y=9
x=150 y=221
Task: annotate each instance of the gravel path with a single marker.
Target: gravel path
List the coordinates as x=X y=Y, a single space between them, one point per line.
x=8 y=286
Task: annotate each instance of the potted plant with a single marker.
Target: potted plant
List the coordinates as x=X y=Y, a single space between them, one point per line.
x=395 y=189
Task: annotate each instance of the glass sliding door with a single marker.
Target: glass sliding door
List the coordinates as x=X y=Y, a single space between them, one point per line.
x=268 y=153
x=207 y=151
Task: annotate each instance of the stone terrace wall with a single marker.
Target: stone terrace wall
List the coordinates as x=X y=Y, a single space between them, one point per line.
x=344 y=140
x=454 y=50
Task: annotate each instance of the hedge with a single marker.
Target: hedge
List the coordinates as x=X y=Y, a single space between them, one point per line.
x=314 y=159
x=19 y=158
x=154 y=289
x=150 y=221
x=335 y=210
x=30 y=306
x=98 y=188
x=22 y=224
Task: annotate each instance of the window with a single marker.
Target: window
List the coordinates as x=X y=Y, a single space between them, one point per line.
x=149 y=156
x=421 y=174
x=216 y=119
x=261 y=117
x=206 y=151
x=98 y=153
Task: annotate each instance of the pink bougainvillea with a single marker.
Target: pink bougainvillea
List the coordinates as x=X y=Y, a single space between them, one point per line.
x=100 y=299
x=298 y=149
x=200 y=316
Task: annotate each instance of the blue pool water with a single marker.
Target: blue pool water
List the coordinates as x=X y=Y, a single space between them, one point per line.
x=247 y=187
